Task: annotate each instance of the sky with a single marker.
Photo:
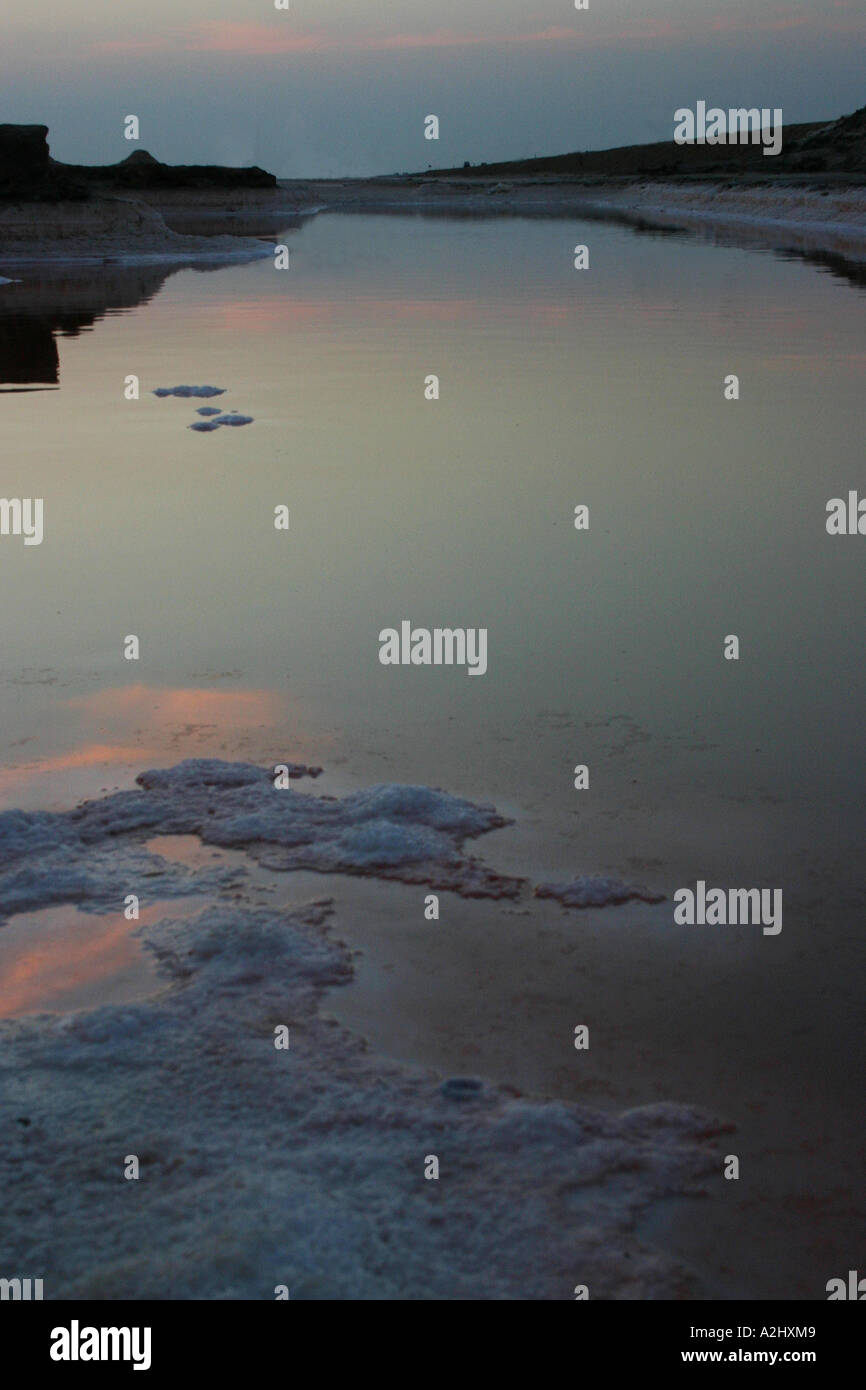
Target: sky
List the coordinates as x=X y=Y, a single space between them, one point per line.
x=342 y=87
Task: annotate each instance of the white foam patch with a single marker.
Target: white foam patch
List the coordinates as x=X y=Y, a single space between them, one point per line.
x=220 y=420
x=185 y=391
x=415 y=834
x=596 y=891
x=302 y=1167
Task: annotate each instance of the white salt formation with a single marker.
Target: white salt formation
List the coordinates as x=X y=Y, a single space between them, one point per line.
x=232 y=419
x=190 y=391
x=414 y=834
x=589 y=891
x=303 y=1166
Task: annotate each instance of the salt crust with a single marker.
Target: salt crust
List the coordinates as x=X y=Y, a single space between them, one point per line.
x=594 y=891
x=186 y=391
x=301 y=1167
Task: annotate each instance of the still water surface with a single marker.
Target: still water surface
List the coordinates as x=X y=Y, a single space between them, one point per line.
x=558 y=387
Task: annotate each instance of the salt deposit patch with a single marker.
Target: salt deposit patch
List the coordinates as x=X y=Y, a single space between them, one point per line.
x=186 y=391
x=595 y=891
x=221 y=420
x=305 y=1167
x=412 y=833
x=59 y=857
x=415 y=834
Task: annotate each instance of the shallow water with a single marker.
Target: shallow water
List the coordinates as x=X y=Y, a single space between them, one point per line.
x=58 y=959
x=558 y=387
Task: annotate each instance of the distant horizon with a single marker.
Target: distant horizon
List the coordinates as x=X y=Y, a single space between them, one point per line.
x=388 y=173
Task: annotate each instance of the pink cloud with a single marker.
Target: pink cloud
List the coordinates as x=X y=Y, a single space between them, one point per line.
x=448 y=38
x=132 y=46
x=225 y=36
x=731 y=24
x=267 y=40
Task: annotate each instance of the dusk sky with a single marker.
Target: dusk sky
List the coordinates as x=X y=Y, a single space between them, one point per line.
x=334 y=87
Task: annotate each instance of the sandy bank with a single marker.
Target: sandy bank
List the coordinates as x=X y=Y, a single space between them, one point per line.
x=212 y=223
x=115 y=228
x=808 y=216
x=824 y=219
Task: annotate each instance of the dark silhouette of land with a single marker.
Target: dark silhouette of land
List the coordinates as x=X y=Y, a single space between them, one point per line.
x=29 y=174
x=815 y=147
x=809 y=197
x=835 y=148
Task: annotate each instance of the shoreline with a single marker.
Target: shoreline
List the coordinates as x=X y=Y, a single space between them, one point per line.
x=126 y=230
x=206 y=225
x=827 y=218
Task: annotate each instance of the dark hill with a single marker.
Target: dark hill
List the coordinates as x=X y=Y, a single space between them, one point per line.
x=141 y=170
x=29 y=174
x=834 y=147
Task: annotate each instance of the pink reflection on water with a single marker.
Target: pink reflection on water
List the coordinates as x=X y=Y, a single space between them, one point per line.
x=124 y=729
x=61 y=958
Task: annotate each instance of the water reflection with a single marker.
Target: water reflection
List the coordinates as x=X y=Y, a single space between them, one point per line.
x=108 y=736
x=66 y=301
x=28 y=353
x=60 y=958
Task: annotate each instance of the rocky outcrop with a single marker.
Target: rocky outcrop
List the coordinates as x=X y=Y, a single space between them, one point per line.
x=24 y=149
x=26 y=170
x=29 y=174
x=141 y=171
